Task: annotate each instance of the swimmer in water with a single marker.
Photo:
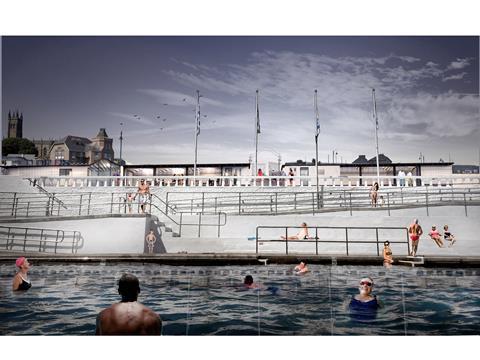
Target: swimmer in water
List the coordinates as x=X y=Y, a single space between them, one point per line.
x=364 y=305
x=128 y=317
x=248 y=283
x=21 y=281
x=301 y=268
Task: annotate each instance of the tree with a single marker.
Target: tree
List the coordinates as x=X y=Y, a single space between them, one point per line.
x=18 y=146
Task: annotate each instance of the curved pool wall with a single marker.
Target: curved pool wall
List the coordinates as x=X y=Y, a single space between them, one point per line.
x=65 y=299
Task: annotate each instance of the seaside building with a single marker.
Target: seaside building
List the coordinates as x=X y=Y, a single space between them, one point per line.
x=368 y=167
x=15 y=125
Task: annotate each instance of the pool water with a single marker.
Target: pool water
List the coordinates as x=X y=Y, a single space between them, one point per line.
x=65 y=299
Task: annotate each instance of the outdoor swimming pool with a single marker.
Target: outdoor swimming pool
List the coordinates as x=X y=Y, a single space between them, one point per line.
x=66 y=298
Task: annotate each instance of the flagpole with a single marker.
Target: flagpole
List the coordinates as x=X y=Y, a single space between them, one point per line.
x=257 y=131
x=376 y=134
x=317 y=132
x=197 y=132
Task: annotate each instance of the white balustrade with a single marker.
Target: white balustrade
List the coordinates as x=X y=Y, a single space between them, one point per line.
x=257 y=181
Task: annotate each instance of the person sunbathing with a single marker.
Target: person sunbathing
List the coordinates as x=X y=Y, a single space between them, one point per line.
x=436 y=236
x=448 y=236
x=301 y=235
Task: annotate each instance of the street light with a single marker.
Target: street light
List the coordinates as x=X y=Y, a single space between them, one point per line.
x=279 y=156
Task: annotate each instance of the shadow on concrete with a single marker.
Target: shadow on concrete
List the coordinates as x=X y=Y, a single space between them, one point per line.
x=155 y=225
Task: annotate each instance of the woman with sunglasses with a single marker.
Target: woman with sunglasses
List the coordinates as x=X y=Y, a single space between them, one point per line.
x=364 y=305
x=387 y=255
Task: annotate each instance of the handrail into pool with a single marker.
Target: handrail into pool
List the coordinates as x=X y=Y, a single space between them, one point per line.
x=34 y=183
x=180 y=222
x=316 y=239
x=41 y=235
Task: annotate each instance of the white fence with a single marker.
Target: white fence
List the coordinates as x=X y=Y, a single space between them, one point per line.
x=256 y=181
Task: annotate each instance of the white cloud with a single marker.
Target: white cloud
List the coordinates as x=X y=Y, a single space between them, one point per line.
x=408 y=118
x=459 y=64
x=455 y=77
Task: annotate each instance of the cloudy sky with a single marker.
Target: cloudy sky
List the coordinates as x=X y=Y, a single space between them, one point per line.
x=426 y=90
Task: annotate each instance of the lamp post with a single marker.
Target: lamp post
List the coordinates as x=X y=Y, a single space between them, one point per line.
x=279 y=156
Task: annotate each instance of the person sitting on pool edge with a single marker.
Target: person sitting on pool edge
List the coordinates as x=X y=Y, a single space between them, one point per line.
x=21 y=281
x=128 y=317
x=301 y=268
x=387 y=255
x=364 y=305
x=436 y=236
x=448 y=236
x=302 y=234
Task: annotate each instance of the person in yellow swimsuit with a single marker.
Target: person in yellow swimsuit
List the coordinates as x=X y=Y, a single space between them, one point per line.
x=387 y=255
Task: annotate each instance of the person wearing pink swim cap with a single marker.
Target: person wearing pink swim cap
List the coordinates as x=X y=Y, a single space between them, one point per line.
x=21 y=280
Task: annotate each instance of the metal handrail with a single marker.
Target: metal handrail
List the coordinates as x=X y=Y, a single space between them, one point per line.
x=180 y=222
x=316 y=239
x=38 y=235
x=244 y=203
x=34 y=183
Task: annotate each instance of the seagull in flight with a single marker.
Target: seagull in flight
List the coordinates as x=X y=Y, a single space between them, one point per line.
x=185 y=99
x=165 y=104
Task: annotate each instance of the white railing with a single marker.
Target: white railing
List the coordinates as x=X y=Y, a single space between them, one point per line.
x=257 y=181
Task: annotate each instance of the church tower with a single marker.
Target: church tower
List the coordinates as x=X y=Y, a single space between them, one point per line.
x=15 y=125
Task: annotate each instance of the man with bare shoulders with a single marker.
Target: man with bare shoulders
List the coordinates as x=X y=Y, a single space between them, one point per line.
x=128 y=317
x=144 y=194
x=415 y=231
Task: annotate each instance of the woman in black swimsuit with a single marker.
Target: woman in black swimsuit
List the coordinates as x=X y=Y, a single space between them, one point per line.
x=21 y=281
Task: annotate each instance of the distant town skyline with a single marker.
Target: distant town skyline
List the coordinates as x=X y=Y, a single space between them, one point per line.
x=426 y=91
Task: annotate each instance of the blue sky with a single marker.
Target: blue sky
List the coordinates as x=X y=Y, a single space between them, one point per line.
x=426 y=89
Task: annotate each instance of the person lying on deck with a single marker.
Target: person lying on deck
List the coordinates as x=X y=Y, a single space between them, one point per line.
x=302 y=234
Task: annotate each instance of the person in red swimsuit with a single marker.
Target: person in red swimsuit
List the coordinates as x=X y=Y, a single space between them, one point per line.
x=415 y=231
